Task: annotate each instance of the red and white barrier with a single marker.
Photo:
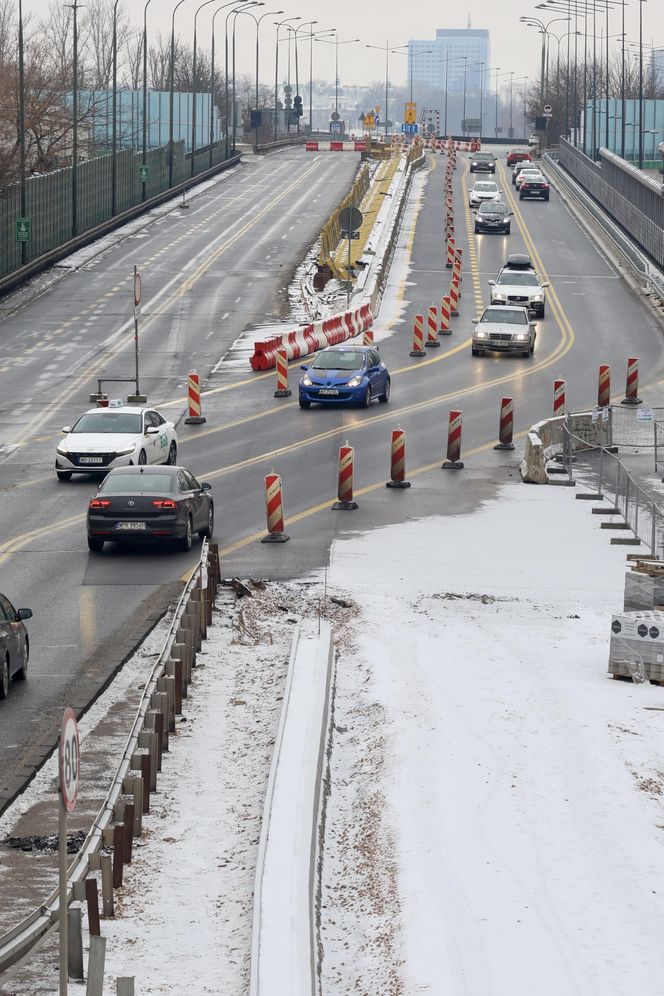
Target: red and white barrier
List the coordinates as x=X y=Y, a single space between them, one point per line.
x=274 y=510
x=450 y=254
x=432 y=326
x=282 y=391
x=398 y=461
x=357 y=146
x=604 y=386
x=505 y=425
x=445 y=315
x=418 y=336
x=312 y=337
x=344 y=502
x=632 y=385
x=194 y=395
x=454 y=299
x=558 y=398
x=454 y=442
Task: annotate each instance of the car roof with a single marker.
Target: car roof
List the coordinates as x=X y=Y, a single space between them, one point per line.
x=345 y=347
x=502 y=309
x=147 y=469
x=131 y=409
x=519 y=261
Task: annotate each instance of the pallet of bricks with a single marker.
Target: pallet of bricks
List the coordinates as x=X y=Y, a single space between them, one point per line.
x=637 y=633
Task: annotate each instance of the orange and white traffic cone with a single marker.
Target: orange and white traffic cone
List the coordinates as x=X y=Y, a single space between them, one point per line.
x=558 y=398
x=445 y=315
x=274 y=510
x=345 y=501
x=398 y=461
x=454 y=442
x=632 y=385
x=505 y=425
x=418 y=336
x=450 y=253
x=604 y=386
x=454 y=299
x=194 y=393
x=432 y=327
x=281 y=367
x=368 y=336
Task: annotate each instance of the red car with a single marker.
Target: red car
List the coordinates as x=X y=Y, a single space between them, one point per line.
x=517 y=156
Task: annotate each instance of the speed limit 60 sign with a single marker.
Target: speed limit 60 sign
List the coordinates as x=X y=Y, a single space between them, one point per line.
x=69 y=761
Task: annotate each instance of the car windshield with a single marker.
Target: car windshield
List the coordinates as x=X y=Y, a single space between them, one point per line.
x=108 y=421
x=504 y=316
x=493 y=207
x=516 y=279
x=151 y=484
x=486 y=188
x=484 y=157
x=342 y=359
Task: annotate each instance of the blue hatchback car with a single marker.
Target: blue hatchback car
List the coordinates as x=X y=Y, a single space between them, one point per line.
x=345 y=375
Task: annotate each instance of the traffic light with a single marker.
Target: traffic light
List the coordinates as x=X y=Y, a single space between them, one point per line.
x=297 y=105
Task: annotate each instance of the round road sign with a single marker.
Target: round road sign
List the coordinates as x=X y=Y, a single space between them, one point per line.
x=137 y=288
x=547 y=108
x=350 y=219
x=69 y=761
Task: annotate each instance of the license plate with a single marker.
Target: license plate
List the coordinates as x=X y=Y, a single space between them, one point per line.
x=131 y=525
x=90 y=459
x=328 y=390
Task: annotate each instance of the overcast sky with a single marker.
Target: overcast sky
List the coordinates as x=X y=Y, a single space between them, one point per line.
x=514 y=47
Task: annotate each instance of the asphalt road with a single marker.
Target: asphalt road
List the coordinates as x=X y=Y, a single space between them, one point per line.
x=206 y=276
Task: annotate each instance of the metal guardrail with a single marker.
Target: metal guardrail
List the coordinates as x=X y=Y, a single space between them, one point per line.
x=18 y=942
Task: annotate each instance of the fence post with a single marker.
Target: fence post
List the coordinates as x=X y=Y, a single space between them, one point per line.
x=96 y=960
x=601 y=470
x=74 y=944
x=653 y=539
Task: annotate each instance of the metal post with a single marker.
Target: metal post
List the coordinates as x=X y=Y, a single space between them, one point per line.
x=623 y=103
x=447 y=59
x=641 y=2
x=21 y=125
x=606 y=88
x=171 y=98
x=311 y=83
x=387 y=83
x=74 y=168
x=62 y=905
x=463 y=121
x=145 y=90
x=114 y=126
x=601 y=470
x=653 y=535
x=495 y=129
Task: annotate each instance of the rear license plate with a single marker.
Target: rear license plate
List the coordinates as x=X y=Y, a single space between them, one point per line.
x=328 y=390
x=131 y=525
x=90 y=459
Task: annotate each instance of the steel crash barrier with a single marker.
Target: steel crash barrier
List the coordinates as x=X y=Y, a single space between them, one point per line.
x=107 y=845
x=310 y=338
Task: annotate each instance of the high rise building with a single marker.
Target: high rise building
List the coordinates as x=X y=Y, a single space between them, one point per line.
x=453 y=53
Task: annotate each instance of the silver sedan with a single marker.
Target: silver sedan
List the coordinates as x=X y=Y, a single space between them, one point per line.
x=503 y=330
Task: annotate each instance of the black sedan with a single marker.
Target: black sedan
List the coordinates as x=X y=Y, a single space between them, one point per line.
x=150 y=504
x=14 y=644
x=493 y=216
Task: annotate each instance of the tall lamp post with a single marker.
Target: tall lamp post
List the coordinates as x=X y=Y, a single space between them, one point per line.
x=21 y=127
x=495 y=124
x=278 y=24
x=114 y=126
x=534 y=22
x=171 y=98
x=313 y=34
x=145 y=92
x=387 y=49
x=337 y=43
x=232 y=3
x=74 y=137
x=236 y=13
x=641 y=3
x=257 y=21
x=193 y=86
x=304 y=24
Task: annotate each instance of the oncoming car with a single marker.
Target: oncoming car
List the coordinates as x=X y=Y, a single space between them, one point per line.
x=503 y=330
x=493 y=216
x=139 y=504
x=483 y=162
x=117 y=436
x=483 y=190
x=14 y=644
x=345 y=374
x=518 y=283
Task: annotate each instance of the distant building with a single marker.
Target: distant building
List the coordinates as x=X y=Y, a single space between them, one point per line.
x=453 y=53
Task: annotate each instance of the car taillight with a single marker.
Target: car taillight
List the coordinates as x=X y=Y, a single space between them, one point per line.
x=545 y=186
x=164 y=503
x=524 y=184
x=99 y=503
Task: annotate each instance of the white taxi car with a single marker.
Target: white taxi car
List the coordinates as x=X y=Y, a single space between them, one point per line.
x=116 y=436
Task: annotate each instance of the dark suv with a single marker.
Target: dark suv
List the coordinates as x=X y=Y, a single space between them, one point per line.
x=483 y=162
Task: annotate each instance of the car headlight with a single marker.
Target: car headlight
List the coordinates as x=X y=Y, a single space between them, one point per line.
x=62 y=448
x=125 y=452
x=521 y=336
x=355 y=381
x=306 y=381
x=481 y=335
x=497 y=296
x=537 y=297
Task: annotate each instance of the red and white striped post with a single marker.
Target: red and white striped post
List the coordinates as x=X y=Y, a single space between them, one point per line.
x=505 y=425
x=418 y=336
x=398 y=460
x=432 y=326
x=194 y=392
x=456 y=269
x=632 y=385
x=345 y=501
x=445 y=315
x=281 y=367
x=454 y=442
x=558 y=398
x=274 y=510
x=454 y=299
x=604 y=386
x=450 y=253
x=368 y=336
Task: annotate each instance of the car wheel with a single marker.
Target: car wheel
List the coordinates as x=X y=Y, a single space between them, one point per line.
x=4 y=679
x=546 y=198
x=22 y=672
x=142 y=458
x=304 y=404
x=64 y=475
x=477 y=231
x=541 y=311
x=209 y=529
x=95 y=544
x=476 y=352
x=186 y=541
x=366 y=397
x=172 y=454
x=385 y=396
x=520 y=196
x=532 y=350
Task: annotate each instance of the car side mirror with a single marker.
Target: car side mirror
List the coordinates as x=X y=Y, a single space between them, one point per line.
x=66 y=428
x=491 y=283
x=206 y=486
x=151 y=430
x=545 y=284
x=24 y=613
x=510 y=214
x=303 y=366
x=474 y=321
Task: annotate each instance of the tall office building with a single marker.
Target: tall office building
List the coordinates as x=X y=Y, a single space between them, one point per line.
x=453 y=53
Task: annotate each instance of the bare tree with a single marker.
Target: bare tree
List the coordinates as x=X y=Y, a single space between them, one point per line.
x=159 y=63
x=8 y=31
x=134 y=61
x=98 y=27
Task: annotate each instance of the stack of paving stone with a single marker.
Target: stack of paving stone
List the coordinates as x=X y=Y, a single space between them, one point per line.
x=637 y=634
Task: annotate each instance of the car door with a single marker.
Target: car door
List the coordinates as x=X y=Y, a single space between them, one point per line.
x=162 y=441
x=151 y=440
x=199 y=500
x=10 y=626
x=374 y=372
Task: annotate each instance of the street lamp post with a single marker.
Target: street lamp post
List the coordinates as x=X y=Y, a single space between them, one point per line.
x=287 y=20
x=236 y=13
x=463 y=116
x=171 y=99
x=297 y=71
x=232 y=3
x=337 y=43
x=193 y=85
x=114 y=151
x=387 y=49
x=145 y=92
x=495 y=127
x=257 y=21
x=74 y=143
x=641 y=2
x=21 y=127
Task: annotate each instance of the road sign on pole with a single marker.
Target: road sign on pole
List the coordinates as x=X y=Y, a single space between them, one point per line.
x=69 y=768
